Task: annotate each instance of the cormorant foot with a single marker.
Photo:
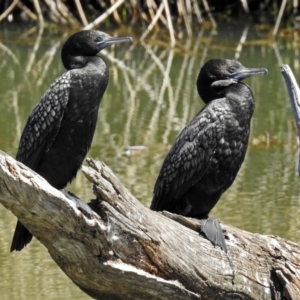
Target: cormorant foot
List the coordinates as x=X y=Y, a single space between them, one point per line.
x=82 y=206
x=211 y=229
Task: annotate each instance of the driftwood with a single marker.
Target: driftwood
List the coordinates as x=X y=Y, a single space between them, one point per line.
x=116 y=248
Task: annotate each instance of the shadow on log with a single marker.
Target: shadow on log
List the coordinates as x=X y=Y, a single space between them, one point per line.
x=115 y=248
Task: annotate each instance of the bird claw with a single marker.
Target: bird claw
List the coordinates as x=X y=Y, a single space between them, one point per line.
x=81 y=206
x=211 y=229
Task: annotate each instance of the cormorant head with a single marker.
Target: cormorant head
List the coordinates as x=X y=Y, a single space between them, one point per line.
x=218 y=74
x=86 y=43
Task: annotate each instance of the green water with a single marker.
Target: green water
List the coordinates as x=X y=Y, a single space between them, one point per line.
x=150 y=97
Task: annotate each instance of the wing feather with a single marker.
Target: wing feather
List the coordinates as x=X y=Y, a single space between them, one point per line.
x=44 y=122
x=188 y=159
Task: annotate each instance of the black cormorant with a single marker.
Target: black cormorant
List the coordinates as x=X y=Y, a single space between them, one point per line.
x=208 y=153
x=60 y=129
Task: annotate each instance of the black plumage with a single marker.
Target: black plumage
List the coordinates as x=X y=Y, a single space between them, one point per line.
x=208 y=153
x=60 y=129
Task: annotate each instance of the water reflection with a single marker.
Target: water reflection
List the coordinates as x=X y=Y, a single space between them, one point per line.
x=151 y=96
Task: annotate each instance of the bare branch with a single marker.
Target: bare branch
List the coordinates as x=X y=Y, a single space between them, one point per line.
x=116 y=241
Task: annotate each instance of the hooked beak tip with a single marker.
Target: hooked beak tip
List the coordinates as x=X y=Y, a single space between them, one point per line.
x=265 y=71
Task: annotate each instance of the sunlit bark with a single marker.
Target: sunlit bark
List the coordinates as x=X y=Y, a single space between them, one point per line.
x=115 y=248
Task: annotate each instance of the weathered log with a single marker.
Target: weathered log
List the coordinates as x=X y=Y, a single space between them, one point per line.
x=116 y=248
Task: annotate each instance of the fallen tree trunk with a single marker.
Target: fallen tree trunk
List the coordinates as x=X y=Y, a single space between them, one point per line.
x=115 y=248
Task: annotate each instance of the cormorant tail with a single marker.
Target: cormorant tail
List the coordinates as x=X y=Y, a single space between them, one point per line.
x=212 y=230
x=21 y=237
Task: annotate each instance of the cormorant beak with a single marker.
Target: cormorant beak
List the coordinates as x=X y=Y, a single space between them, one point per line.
x=114 y=40
x=245 y=73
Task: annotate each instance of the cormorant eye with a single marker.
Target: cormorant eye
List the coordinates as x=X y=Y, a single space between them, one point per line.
x=231 y=70
x=98 y=39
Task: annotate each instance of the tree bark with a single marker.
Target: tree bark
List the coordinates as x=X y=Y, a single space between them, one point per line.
x=116 y=248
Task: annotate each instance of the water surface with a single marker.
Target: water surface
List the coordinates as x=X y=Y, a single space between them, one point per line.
x=151 y=96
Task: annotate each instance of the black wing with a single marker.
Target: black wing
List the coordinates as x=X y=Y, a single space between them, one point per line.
x=188 y=159
x=44 y=122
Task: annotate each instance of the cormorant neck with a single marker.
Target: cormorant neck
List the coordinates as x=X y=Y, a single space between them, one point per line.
x=213 y=90
x=79 y=62
x=240 y=96
x=240 y=89
x=74 y=62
